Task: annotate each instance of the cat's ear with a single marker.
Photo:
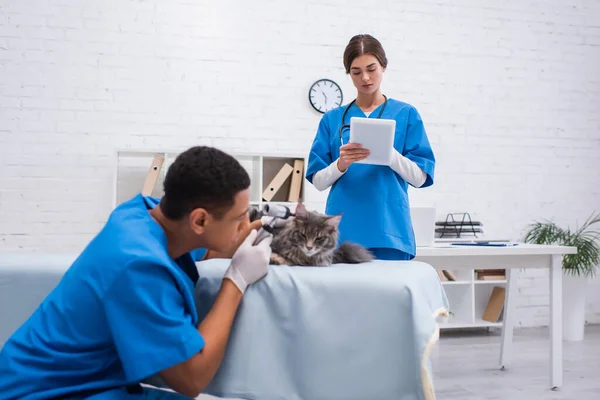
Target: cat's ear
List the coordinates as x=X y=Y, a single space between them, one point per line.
x=301 y=210
x=334 y=221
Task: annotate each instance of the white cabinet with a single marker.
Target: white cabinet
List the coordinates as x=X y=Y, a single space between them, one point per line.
x=131 y=168
x=468 y=298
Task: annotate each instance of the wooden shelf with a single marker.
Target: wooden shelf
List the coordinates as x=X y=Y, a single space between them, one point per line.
x=479 y=323
x=457 y=324
x=498 y=282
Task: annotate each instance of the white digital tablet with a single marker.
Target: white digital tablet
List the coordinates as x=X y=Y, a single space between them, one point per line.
x=377 y=135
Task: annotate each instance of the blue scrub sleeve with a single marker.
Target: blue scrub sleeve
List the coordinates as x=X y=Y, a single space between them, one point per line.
x=320 y=152
x=417 y=147
x=151 y=324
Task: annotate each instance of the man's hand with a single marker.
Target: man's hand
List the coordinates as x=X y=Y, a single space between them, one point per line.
x=350 y=153
x=249 y=263
x=231 y=251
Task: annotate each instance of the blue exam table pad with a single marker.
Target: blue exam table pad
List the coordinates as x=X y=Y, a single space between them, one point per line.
x=301 y=333
x=326 y=333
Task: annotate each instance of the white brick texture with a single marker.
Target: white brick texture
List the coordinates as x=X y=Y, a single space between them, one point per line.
x=509 y=92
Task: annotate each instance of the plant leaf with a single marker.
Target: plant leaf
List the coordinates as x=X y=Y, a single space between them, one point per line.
x=584 y=239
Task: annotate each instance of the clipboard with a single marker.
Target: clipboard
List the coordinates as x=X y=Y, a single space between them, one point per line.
x=374 y=134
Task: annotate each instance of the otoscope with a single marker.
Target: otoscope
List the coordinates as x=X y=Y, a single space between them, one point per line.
x=277 y=211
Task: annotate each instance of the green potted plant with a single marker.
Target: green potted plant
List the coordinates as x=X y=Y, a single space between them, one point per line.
x=577 y=268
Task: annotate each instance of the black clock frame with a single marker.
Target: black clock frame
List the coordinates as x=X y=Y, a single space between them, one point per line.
x=324 y=80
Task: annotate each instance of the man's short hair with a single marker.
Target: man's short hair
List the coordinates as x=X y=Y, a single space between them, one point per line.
x=202 y=177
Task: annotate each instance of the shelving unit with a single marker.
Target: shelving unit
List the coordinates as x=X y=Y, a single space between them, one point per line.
x=468 y=298
x=131 y=168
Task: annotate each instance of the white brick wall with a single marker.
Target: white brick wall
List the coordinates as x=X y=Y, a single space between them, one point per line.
x=509 y=93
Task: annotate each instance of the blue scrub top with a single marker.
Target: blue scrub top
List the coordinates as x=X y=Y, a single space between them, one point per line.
x=373 y=199
x=122 y=312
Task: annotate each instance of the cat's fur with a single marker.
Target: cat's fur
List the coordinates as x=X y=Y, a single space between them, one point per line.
x=310 y=239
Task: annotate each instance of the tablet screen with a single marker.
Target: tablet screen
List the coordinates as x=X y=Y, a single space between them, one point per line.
x=377 y=135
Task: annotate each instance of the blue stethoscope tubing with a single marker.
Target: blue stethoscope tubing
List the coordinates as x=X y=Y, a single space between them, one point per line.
x=347 y=126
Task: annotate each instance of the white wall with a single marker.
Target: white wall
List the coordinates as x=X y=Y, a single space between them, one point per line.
x=509 y=93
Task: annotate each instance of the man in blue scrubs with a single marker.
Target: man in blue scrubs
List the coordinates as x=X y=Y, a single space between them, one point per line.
x=125 y=310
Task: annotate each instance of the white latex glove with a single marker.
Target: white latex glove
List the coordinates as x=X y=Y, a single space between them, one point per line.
x=249 y=263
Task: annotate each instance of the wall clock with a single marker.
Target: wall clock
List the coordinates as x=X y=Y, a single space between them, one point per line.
x=325 y=95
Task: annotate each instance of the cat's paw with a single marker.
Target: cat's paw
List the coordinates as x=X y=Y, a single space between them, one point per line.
x=276 y=259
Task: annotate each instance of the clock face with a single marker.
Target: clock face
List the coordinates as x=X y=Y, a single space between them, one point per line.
x=325 y=95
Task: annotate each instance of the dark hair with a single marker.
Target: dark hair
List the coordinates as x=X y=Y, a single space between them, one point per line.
x=202 y=177
x=363 y=44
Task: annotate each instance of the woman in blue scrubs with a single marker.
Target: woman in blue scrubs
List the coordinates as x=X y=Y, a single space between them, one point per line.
x=373 y=199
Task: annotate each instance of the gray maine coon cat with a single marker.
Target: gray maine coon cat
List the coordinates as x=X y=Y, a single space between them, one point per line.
x=310 y=239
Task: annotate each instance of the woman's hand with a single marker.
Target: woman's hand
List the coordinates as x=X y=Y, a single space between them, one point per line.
x=350 y=153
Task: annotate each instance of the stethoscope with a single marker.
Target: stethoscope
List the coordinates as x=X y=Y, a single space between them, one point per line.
x=347 y=126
